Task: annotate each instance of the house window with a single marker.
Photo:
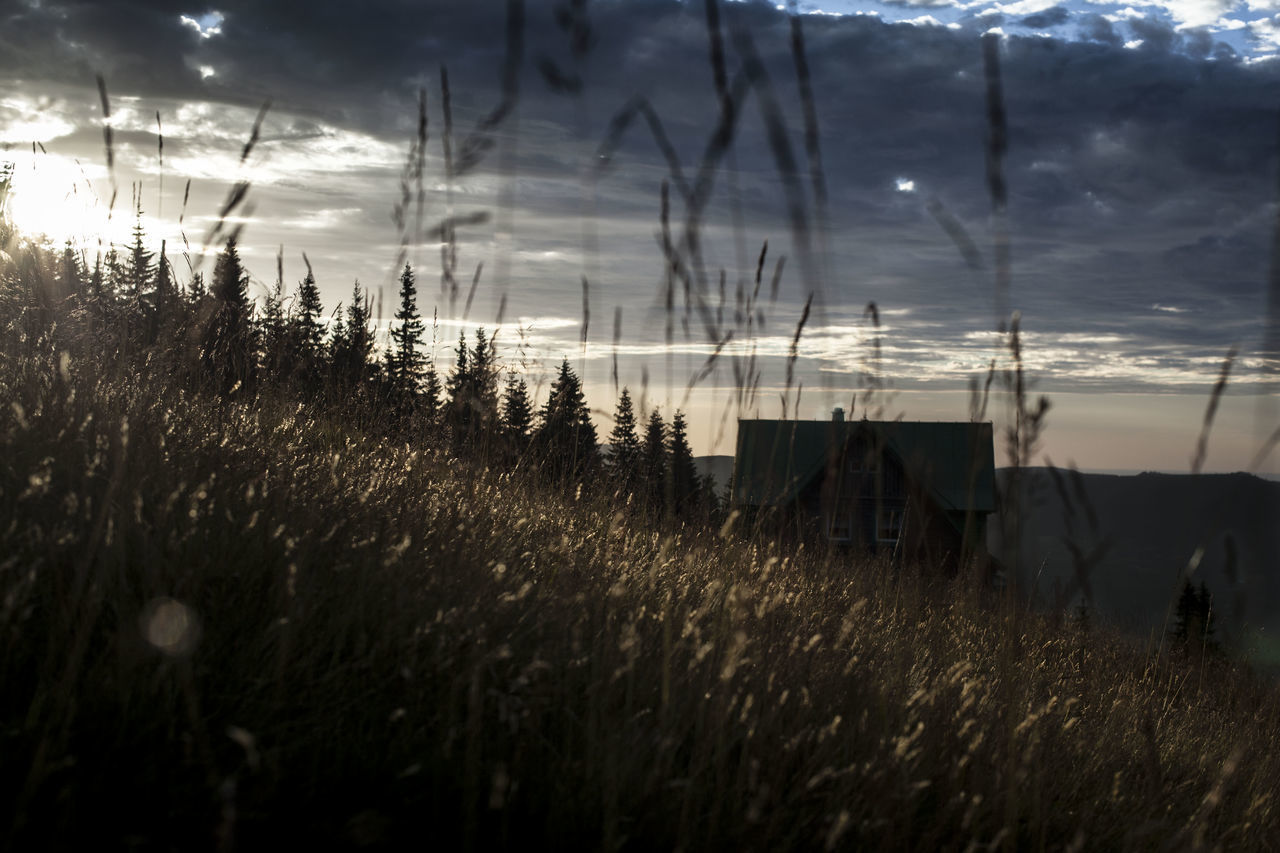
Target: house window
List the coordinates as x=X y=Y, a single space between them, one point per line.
x=840 y=527
x=889 y=525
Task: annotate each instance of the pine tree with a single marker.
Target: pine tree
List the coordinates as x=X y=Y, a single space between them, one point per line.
x=228 y=344
x=97 y=281
x=684 y=473
x=71 y=273
x=404 y=361
x=431 y=403
x=1185 y=613
x=653 y=462
x=164 y=295
x=136 y=272
x=195 y=293
x=357 y=336
x=308 y=330
x=231 y=282
x=456 y=387
x=1195 y=627
x=1205 y=638
x=625 y=449
x=113 y=274
x=483 y=385
x=337 y=347
x=97 y=301
x=517 y=416
x=276 y=348
x=566 y=437
x=473 y=391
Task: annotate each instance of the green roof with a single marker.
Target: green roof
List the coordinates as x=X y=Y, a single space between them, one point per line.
x=775 y=460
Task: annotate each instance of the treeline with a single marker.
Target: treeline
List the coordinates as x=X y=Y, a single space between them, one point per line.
x=211 y=336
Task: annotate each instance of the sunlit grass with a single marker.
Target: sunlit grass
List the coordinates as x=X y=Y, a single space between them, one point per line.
x=254 y=621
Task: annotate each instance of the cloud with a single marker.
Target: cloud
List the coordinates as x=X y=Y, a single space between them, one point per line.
x=1154 y=34
x=1119 y=198
x=926 y=4
x=1099 y=28
x=1022 y=7
x=1266 y=30
x=1198 y=13
x=1054 y=16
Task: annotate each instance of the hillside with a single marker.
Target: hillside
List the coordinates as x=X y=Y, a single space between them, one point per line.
x=1151 y=525
x=719 y=468
x=255 y=622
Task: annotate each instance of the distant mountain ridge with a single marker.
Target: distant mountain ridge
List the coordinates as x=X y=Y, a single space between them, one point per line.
x=1150 y=526
x=719 y=467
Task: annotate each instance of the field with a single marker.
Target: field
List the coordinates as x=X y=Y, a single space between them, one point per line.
x=234 y=623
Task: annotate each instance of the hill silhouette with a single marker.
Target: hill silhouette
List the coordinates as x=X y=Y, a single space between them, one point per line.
x=1151 y=525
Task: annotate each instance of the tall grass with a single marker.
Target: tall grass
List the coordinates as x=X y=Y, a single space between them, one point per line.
x=283 y=629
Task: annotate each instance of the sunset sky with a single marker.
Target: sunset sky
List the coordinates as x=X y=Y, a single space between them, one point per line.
x=1142 y=161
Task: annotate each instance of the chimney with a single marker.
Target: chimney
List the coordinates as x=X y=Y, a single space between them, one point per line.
x=837 y=415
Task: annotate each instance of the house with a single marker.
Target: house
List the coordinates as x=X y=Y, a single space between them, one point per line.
x=917 y=491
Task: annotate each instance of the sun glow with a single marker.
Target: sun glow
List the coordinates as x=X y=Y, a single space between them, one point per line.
x=55 y=199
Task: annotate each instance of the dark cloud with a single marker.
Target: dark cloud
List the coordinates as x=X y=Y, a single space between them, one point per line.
x=1156 y=34
x=922 y=4
x=1136 y=176
x=1098 y=28
x=1053 y=17
x=1197 y=43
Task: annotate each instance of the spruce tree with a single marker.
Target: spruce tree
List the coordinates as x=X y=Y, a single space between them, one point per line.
x=566 y=437
x=97 y=301
x=357 y=336
x=196 y=292
x=684 y=473
x=164 y=294
x=136 y=271
x=276 y=348
x=308 y=330
x=228 y=343
x=404 y=361
x=97 y=280
x=71 y=273
x=473 y=390
x=653 y=462
x=231 y=283
x=456 y=388
x=517 y=416
x=1206 y=635
x=482 y=386
x=1184 y=626
x=113 y=276
x=624 y=452
x=431 y=402
x=710 y=499
x=1195 y=627
x=337 y=347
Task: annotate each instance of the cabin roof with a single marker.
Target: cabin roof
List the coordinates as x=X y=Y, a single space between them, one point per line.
x=775 y=459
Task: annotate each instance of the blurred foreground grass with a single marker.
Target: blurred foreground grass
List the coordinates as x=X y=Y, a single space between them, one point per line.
x=233 y=624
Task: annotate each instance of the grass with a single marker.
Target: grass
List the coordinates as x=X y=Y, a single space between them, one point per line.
x=282 y=629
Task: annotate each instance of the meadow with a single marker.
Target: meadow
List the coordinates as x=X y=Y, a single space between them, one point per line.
x=238 y=621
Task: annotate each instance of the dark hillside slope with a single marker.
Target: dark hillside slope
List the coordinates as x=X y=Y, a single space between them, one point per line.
x=250 y=624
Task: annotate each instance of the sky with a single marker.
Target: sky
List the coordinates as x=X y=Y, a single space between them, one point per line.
x=1141 y=174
